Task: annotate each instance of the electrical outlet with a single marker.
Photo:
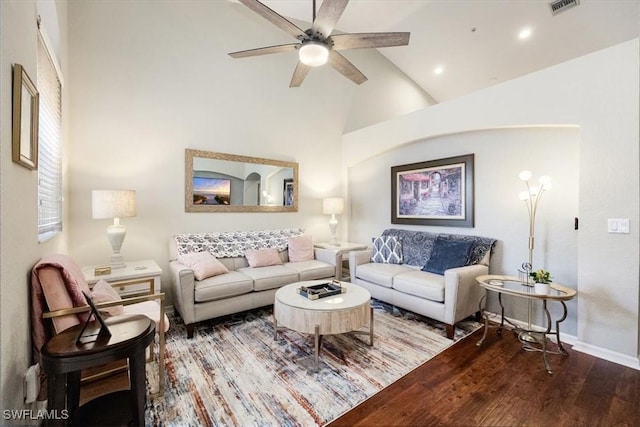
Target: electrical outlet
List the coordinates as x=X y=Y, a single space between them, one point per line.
x=31 y=383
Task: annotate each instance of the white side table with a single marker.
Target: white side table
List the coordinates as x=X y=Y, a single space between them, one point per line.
x=342 y=250
x=137 y=277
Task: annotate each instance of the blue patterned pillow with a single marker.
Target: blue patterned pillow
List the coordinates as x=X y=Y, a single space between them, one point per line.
x=448 y=254
x=387 y=250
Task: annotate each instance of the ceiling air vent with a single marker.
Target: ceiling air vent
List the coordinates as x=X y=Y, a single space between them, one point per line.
x=558 y=6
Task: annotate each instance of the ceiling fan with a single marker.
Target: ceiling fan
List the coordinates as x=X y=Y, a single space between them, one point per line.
x=316 y=45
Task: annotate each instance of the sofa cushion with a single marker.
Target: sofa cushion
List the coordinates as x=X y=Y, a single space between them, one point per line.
x=223 y=286
x=421 y=284
x=380 y=274
x=300 y=248
x=387 y=250
x=262 y=257
x=448 y=254
x=203 y=264
x=270 y=277
x=310 y=270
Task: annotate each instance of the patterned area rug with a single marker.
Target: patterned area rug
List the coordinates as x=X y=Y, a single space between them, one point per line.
x=233 y=372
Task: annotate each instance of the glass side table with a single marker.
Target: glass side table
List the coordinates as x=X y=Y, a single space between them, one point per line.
x=531 y=339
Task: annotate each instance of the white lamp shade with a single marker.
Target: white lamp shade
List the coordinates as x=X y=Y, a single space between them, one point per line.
x=113 y=203
x=333 y=206
x=313 y=54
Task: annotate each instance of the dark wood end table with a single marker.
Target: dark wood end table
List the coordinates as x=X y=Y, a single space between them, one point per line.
x=63 y=359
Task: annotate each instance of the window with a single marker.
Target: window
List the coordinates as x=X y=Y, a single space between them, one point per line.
x=49 y=143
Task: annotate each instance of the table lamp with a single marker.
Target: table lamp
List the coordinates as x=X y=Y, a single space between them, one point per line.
x=114 y=204
x=333 y=206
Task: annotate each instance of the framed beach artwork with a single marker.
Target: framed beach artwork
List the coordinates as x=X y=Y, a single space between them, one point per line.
x=211 y=191
x=436 y=192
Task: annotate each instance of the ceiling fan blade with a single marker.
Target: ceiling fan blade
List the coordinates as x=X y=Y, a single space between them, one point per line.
x=299 y=74
x=346 y=68
x=364 y=40
x=265 y=50
x=328 y=15
x=275 y=18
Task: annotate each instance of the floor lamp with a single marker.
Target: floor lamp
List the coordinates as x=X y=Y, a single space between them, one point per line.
x=532 y=197
x=114 y=204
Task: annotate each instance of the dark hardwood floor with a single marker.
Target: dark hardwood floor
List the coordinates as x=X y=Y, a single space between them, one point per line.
x=500 y=384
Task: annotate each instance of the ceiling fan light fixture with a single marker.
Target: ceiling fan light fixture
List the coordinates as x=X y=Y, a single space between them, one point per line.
x=313 y=53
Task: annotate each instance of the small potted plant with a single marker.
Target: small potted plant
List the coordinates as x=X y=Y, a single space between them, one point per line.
x=542 y=279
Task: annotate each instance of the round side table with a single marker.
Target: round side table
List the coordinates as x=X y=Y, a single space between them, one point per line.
x=63 y=359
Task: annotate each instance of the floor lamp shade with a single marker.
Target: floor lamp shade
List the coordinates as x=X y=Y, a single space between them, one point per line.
x=333 y=206
x=114 y=204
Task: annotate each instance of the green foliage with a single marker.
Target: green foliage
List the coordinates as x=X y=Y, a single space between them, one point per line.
x=541 y=276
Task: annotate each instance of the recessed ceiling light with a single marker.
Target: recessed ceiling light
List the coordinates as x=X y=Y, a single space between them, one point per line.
x=438 y=70
x=524 y=33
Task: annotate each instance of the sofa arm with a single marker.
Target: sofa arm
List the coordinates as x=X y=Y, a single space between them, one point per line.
x=357 y=258
x=326 y=255
x=461 y=292
x=183 y=286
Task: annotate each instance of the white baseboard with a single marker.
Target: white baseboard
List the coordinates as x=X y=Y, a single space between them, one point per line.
x=611 y=356
x=582 y=347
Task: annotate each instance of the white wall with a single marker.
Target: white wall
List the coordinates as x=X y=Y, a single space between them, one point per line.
x=599 y=94
x=19 y=248
x=153 y=78
x=499 y=156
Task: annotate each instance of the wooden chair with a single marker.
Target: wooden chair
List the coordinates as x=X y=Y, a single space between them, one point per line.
x=57 y=284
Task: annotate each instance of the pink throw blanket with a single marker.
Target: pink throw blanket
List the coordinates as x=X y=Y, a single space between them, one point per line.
x=74 y=283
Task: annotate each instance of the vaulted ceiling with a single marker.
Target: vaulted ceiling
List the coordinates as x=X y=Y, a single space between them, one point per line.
x=476 y=43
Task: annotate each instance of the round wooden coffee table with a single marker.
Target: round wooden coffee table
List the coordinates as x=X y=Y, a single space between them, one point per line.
x=337 y=314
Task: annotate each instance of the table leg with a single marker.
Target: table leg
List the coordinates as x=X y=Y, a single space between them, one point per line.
x=485 y=317
x=275 y=327
x=564 y=316
x=544 y=337
x=138 y=380
x=57 y=397
x=501 y=314
x=371 y=327
x=316 y=346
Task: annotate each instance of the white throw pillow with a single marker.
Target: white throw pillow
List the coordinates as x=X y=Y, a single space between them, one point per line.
x=300 y=248
x=203 y=264
x=262 y=257
x=103 y=292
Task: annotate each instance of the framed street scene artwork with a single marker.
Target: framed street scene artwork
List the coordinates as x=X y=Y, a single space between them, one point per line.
x=436 y=192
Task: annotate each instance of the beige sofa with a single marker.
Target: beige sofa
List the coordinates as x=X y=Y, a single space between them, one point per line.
x=242 y=287
x=448 y=296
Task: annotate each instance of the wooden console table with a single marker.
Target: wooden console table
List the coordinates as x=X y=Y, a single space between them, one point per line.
x=63 y=359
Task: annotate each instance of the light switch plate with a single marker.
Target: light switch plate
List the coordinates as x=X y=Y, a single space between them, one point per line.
x=618 y=225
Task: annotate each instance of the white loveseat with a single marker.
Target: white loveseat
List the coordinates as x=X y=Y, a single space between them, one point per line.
x=447 y=295
x=242 y=287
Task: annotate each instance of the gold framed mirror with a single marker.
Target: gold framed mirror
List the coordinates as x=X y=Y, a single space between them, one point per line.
x=220 y=182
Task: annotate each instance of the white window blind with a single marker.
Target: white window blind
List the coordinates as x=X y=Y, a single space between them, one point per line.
x=49 y=144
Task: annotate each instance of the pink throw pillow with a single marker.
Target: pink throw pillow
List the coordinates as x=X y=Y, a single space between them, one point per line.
x=300 y=248
x=262 y=257
x=104 y=292
x=203 y=264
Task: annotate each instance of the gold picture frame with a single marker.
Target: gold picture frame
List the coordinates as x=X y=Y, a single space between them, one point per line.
x=26 y=104
x=254 y=184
